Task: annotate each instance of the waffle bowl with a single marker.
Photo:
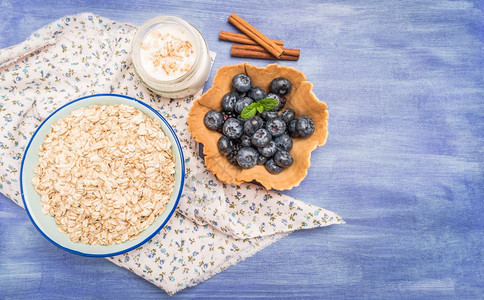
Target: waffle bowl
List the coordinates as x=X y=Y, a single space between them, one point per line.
x=301 y=99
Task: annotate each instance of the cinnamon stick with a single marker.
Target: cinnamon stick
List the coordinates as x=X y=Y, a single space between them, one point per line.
x=242 y=38
x=256 y=35
x=238 y=52
x=287 y=51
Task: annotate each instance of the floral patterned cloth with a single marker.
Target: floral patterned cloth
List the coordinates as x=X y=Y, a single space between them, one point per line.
x=216 y=225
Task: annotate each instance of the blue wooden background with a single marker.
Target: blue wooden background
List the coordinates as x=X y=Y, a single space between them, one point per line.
x=403 y=165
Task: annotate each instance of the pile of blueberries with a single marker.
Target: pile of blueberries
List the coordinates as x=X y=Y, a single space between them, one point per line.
x=265 y=138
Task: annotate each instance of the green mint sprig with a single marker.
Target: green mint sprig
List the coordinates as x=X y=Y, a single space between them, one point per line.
x=265 y=104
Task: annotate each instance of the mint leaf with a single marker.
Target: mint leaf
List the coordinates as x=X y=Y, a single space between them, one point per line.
x=268 y=103
x=249 y=111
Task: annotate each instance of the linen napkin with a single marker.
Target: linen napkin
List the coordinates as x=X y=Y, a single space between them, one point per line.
x=216 y=225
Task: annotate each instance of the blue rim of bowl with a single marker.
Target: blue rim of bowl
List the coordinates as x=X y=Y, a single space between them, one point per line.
x=182 y=160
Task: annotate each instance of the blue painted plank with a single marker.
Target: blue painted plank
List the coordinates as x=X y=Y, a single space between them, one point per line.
x=403 y=165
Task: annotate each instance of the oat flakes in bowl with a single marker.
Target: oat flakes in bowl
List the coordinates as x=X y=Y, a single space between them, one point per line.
x=108 y=175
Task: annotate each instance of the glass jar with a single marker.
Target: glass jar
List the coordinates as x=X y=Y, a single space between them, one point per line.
x=189 y=79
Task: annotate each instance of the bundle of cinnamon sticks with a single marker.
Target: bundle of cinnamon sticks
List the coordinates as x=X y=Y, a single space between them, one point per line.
x=254 y=44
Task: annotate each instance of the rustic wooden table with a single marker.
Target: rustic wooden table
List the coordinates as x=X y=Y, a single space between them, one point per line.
x=403 y=165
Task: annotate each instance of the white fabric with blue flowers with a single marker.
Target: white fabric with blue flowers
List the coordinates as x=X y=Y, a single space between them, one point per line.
x=215 y=226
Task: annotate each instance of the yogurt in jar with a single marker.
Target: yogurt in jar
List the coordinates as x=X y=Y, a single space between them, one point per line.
x=171 y=57
x=167 y=52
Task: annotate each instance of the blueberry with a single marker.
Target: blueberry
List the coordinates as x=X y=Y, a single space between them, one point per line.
x=283 y=159
x=241 y=104
x=241 y=120
x=281 y=86
x=276 y=126
x=269 y=150
x=261 y=138
x=274 y=96
x=228 y=101
x=288 y=115
x=282 y=102
x=261 y=160
x=232 y=156
x=225 y=145
x=230 y=114
x=292 y=129
x=256 y=93
x=283 y=142
x=241 y=83
x=272 y=167
x=305 y=126
x=225 y=116
x=251 y=125
x=213 y=120
x=267 y=115
x=247 y=157
x=245 y=140
x=232 y=128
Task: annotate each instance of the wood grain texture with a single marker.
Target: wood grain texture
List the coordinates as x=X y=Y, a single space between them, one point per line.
x=403 y=164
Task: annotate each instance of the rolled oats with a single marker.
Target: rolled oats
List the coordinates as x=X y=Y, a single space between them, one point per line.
x=105 y=173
